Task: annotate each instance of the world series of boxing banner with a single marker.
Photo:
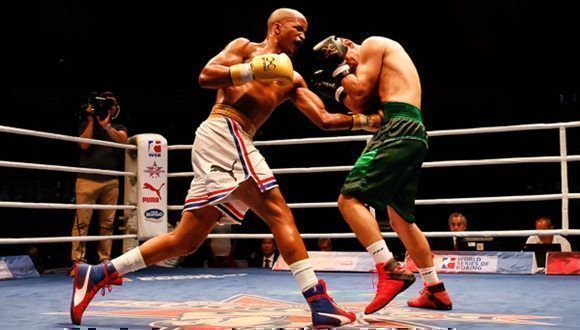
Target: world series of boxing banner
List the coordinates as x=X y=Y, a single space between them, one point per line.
x=489 y=262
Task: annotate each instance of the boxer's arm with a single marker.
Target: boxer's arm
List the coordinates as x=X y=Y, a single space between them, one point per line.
x=216 y=73
x=313 y=107
x=360 y=86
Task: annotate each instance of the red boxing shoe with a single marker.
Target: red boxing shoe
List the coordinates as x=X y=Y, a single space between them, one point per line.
x=393 y=279
x=87 y=282
x=432 y=297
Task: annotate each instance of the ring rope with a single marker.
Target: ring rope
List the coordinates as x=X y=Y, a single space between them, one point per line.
x=449 y=132
x=62 y=137
x=563 y=158
x=435 y=164
x=468 y=200
x=59 y=206
x=65 y=239
x=35 y=166
x=501 y=233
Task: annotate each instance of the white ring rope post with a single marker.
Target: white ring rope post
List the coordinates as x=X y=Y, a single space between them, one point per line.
x=564 y=177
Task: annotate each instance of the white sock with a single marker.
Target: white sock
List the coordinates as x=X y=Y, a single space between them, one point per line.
x=429 y=275
x=304 y=274
x=380 y=252
x=129 y=262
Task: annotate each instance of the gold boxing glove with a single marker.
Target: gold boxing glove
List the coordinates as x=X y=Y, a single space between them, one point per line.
x=264 y=68
x=370 y=123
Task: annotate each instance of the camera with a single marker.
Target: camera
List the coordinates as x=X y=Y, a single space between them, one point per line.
x=100 y=104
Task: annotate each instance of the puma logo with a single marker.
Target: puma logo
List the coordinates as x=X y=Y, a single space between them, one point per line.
x=377 y=251
x=155 y=190
x=217 y=168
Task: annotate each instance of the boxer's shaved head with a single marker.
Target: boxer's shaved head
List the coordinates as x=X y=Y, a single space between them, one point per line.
x=287 y=29
x=282 y=14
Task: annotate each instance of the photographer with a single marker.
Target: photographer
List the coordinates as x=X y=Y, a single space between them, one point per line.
x=95 y=188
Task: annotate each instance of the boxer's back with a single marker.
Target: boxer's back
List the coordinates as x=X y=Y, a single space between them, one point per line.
x=399 y=79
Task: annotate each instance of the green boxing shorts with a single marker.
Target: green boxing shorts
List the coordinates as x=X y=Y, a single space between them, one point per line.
x=387 y=172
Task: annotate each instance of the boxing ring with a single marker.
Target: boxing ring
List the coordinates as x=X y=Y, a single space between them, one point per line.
x=187 y=298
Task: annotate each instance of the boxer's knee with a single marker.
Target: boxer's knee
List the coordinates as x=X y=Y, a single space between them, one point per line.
x=179 y=245
x=399 y=224
x=281 y=217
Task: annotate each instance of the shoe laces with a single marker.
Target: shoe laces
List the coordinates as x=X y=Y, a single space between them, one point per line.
x=108 y=285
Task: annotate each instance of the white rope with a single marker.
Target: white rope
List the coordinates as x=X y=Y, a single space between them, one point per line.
x=38 y=240
x=58 y=206
x=503 y=161
x=34 y=166
x=499 y=233
x=448 y=163
x=480 y=200
x=323 y=169
x=503 y=129
x=449 y=132
x=53 y=136
x=180 y=174
x=334 y=139
x=441 y=201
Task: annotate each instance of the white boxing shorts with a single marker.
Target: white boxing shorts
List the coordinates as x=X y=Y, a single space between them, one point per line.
x=223 y=156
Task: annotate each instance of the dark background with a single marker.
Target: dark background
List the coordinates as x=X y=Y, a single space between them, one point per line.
x=481 y=64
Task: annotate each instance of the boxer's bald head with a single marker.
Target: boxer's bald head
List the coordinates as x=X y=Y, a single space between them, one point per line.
x=287 y=29
x=282 y=14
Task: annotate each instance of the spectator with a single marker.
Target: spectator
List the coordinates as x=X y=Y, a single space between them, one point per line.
x=456 y=222
x=96 y=188
x=324 y=244
x=544 y=223
x=267 y=256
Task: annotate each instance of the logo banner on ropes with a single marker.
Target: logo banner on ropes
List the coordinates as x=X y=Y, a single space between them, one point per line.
x=17 y=267
x=563 y=263
x=149 y=189
x=480 y=262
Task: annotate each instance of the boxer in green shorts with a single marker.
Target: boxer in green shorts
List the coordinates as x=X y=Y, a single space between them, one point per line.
x=386 y=175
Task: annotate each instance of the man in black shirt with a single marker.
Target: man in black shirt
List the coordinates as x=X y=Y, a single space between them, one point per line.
x=95 y=188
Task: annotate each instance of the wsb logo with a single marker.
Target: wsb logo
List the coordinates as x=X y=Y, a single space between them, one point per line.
x=268 y=63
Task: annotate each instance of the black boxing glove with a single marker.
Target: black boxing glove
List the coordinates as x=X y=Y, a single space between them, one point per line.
x=330 y=51
x=324 y=84
x=341 y=71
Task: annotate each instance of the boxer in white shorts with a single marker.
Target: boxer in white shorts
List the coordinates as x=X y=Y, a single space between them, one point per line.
x=231 y=176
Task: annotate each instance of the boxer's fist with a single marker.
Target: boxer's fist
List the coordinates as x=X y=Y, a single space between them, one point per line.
x=370 y=123
x=330 y=51
x=265 y=67
x=323 y=84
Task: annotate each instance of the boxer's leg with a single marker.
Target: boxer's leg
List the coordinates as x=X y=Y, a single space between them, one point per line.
x=272 y=208
x=193 y=228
